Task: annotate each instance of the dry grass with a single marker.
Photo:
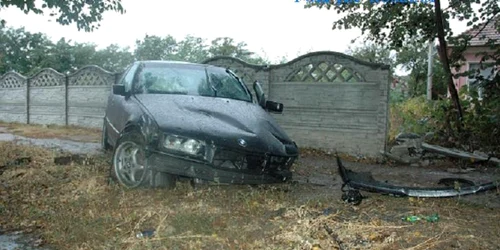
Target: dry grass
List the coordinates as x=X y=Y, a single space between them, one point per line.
x=54 y=131
x=74 y=207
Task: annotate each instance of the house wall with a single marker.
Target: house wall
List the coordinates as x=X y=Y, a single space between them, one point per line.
x=471 y=56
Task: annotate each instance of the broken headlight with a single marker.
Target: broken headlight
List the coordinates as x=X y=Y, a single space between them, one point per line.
x=185 y=145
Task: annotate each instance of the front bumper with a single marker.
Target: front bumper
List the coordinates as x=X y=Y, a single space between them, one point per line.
x=192 y=168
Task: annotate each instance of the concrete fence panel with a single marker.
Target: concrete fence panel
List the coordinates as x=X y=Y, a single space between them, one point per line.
x=88 y=91
x=13 y=93
x=46 y=98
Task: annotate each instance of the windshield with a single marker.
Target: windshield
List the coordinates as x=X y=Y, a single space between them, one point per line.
x=190 y=80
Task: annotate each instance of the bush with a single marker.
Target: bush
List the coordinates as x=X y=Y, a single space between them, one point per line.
x=416 y=115
x=481 y=122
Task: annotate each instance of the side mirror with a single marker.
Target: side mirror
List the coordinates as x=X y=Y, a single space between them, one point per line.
x=259 y=92
x=275 y=107
x=119 y=89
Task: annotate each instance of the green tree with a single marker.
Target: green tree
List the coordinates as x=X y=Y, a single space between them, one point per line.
x=22 y=51
x=226 y=46
x=192 y=49
x=86 y=14
x=393 y=23
x=114 y=58
x=374 y=53
x=413 y=57
x=156 y=48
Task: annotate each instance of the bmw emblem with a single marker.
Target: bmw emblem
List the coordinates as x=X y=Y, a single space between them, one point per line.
x=242 y=142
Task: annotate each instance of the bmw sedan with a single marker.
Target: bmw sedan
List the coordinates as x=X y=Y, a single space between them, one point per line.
x=167 y=121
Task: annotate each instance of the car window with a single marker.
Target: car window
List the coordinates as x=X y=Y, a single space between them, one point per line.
x=190 y=80
x=129 y=77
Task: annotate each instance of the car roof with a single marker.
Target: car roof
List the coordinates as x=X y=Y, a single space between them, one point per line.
x=175 y=63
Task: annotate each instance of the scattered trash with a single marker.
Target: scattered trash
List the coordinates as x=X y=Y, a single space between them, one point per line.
x=145 y=234
x=75 y=158
x=17 y=162
x=412 y=149
x=352 y=196
x=432 y=218
x=414 y=218
x=327 y=211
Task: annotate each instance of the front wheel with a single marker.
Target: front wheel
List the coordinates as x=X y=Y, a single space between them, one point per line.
x=130 y=168
x=104 y=138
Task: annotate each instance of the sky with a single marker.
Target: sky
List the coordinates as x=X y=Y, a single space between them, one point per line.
x=272 y=28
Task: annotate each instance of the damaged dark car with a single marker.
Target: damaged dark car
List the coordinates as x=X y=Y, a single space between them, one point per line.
x=167 y=121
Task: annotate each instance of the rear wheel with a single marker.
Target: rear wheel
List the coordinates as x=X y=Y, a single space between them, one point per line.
x=130 y=167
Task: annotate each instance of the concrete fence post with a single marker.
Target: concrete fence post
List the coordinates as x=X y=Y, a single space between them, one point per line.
x=28 y=81
x=66 y=108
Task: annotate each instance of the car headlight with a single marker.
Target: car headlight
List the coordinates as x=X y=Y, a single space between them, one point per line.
x=184 y=144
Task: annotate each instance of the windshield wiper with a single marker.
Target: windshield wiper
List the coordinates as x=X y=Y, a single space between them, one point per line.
x=168 y=92
x=234 y=75
x=210 y=83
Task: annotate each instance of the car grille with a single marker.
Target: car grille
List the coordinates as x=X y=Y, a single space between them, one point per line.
x=243 y=161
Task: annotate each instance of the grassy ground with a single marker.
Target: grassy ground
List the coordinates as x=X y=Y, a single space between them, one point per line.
x=74 y=207
x=54 y=131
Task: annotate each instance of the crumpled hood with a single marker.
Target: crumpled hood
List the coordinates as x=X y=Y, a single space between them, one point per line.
x=218 y=120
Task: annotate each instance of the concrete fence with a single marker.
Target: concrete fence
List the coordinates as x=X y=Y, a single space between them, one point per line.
x=332 y=101
x=50 y=97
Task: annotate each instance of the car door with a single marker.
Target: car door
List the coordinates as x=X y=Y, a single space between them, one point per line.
x=116 y=112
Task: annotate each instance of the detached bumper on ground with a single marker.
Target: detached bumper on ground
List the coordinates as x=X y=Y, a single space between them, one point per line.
x=365 y=181
x=202 y=170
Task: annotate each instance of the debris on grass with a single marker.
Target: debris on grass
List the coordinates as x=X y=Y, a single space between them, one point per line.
x=75 y=208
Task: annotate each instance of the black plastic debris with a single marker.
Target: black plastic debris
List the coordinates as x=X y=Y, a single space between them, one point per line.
x=17 y=162
x=365 y=181
x=75 y=158
x=352 y=196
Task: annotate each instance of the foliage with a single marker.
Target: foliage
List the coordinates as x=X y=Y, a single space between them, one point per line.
x=85 y=13
x=481 y=130
x=225 y=46
x=21 y=50
x=375 y=53
x=192 y=49
x=398 y=24
x=414 y=115
x=417 y=81
x=28 y=53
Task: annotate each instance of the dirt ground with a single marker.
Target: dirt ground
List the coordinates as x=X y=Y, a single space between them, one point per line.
x=75 y=207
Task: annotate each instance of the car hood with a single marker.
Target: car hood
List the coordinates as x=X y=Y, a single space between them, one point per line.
x=219 y=120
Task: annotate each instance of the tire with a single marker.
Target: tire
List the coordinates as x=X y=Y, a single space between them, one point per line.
x=129 y=165
x=105 y=146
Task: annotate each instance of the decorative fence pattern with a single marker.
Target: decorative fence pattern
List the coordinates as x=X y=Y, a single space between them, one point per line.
x=332 y=101
x=50 y=97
